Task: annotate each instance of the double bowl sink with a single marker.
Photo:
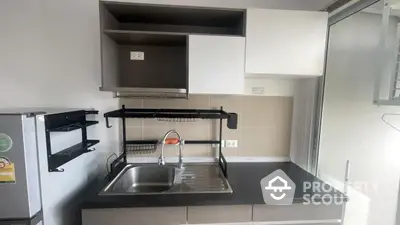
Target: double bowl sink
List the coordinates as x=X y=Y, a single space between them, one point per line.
x=155 y=179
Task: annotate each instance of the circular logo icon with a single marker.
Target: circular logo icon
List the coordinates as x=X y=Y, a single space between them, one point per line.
x=4 y=162
x=5 y=142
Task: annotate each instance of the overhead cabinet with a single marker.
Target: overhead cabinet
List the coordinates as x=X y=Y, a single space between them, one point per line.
x=285 y=42
x=173 y=51
x=216 y=64
x=145 y=48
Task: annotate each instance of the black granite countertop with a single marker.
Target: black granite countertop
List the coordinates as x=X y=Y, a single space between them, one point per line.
x=244 y=179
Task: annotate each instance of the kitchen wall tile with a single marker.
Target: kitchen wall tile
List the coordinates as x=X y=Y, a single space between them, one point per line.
x=132 y=103
x=230 y=103
x=194 y=132
x=198 y=151
x=263 y=111
x=166 y=103
x=134 y=122
x=155 y=132
x=263 y=130
x=199 y=102
x=264 y=142
x=133 y=133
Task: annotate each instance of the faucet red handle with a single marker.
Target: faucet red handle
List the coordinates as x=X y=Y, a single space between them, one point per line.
x=172 y=141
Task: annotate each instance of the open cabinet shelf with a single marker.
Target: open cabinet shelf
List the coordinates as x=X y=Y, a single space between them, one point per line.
x=128 y=37
x=145 y=48
x=173 y=19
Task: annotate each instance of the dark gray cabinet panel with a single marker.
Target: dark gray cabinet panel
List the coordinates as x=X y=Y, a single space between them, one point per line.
x=219 y=214
x=181 y=19
x=135 y=216
x=162 y=67
x=296 y=212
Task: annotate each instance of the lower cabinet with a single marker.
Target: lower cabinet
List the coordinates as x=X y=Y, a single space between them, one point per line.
x=296 y=214
x=301 y=223
x=135 y=216
x=219 y=214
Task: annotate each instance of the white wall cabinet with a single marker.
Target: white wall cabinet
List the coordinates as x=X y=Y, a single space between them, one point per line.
x=216 y=64
x=285 y=42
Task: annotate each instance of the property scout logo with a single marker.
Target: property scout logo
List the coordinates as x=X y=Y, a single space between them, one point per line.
x=278 y=189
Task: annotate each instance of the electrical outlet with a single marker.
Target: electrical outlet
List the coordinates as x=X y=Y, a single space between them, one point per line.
x=231 y=143
x=258 y=90
x=137 y=55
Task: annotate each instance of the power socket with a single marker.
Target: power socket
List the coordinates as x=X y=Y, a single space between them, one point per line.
x=231 y=143
x=137 y=55
x=227 y=144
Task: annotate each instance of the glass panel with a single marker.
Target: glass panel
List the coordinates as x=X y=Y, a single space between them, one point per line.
x=389 y=54
x=352 y=126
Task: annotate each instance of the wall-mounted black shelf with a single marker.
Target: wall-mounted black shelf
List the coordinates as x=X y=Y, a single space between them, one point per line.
x=72 y=127
x=60 y=158
x=187 y=142
x=174 y=114
x=66 y=122
x=150 y=146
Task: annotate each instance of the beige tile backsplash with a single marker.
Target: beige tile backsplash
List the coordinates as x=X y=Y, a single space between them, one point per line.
x=263 y=128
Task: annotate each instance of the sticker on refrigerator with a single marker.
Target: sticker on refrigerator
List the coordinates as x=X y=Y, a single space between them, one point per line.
x=7 y=171
x=6 y=142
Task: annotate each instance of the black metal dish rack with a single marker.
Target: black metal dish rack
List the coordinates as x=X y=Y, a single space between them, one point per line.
x=125 y=113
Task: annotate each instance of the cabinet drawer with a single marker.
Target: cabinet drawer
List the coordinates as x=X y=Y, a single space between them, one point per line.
x=296 y=212
x=219 y=214
x=298 y=223
x=135 y=216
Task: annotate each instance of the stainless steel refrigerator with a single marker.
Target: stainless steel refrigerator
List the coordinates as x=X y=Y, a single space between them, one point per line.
x=20 y=195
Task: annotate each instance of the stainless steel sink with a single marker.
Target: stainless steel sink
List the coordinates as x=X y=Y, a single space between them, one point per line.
x=142 y=179
x=155 y=179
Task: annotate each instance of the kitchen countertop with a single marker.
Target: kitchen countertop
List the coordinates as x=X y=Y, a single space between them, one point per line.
x=244 y=179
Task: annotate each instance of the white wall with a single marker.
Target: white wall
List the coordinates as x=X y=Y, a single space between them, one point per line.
x=352 y=128
x=50 y=57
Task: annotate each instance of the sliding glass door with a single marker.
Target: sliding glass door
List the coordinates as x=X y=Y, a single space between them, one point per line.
x=354 y=127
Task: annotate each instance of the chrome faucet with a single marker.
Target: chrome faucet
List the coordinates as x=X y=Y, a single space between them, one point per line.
x=161 y=159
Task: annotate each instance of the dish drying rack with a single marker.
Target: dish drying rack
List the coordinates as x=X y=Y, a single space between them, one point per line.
x=173 y=115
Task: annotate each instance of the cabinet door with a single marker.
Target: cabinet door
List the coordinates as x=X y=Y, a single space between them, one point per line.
x=219 y=214
x=301 y=223
x=285 y=42
x=135 y=216
x=216 y=64
x=296 y=212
